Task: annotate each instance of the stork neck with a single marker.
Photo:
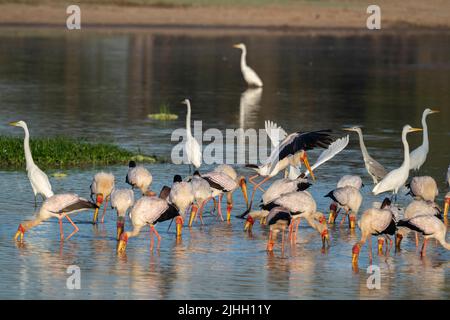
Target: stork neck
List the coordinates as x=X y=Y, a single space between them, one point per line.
x=33 y=223
x=425 y=131
x=135 y=232
x=362 y=145
x=26 y=146
x=243 y=58
x=188 y=119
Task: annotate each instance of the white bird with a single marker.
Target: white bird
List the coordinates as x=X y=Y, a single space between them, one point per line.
x=249 y=74
x=221 y=183
x=182 y=197
x=416 y=208
x=202 y=194
x=101 y=187
x=424 y=187
x=447 y=196
x=348 y=198
x=121 y=200
x=192 y=147
x=373 y=167
x=249 y=104
x=240 y=180
x=57 y=206
x=283 y=186
x=350 y=181
x=373 y=222
x=419 y=155
x=430 y=227
x=38 y=179
x=396 y=178
x=139 y=177
x=291 y=151
x=278 y=219
x=149 y=211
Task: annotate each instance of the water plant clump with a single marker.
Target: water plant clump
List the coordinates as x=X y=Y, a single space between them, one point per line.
x=164 y=114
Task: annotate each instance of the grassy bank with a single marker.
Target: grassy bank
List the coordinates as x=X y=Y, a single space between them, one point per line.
x=63 y=152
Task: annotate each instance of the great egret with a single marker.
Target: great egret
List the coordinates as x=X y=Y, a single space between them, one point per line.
x=149 y=211
x=348 y=198
x=121 y=200
x=419 y=155
x=38 y=179
x=192 y=147
x=373 y=222
x=375 y=170
x=249 y=74
x=430 y=227
x=395 y=179
x=139 y=177
x=291 y=151
x=101 y=187
x=57 y=206
x=424 y=187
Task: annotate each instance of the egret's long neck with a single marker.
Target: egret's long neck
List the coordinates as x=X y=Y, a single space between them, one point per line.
x=188 y=119
x=26 y=146
x=405 y=150
x=243 y=58
x=425 y=131
x=362 y=145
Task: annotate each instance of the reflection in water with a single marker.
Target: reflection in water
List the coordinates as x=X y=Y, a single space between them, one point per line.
x=61 y=84
x=249 y=106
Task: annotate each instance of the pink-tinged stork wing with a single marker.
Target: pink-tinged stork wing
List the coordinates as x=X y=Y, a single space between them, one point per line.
x=220 y=181
x=67 y=203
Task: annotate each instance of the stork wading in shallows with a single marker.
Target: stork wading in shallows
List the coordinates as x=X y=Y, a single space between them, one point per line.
x=101 y=187
x=140 y=178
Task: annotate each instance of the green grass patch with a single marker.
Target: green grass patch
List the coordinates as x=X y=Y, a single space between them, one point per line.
x=164 y=114
x=64 y=152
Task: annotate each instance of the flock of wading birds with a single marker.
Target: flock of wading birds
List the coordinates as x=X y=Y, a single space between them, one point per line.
x=284 y=202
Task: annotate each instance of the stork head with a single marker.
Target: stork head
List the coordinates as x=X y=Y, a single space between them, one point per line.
x=249 y=223
x=325 y=238
x=179 y=222
x=120 y=226
x=20 y=231
x=304 y=159
x=355 y=253
x=333 y=213
x=446 y=204
x=398 y=240
x=243 y=185
x=380 y=245
x=122 y=246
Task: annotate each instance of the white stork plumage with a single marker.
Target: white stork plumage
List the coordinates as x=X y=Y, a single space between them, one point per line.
x=240 y=180
x=348 y=198
x=350 y=181
x=139 y=177
x=278 y=220
x=149 y=211
x=419 y=155
x=38 y=179
x=283 y=186
x=121 y=200
x=250 y=76
x=182 y=196
x=396 y=178
x=447 y=196
x=430 y=226
x=374 y=222
x=101 y=187
x=424 y=188
x=202 y=194
x=192 y=147
x=57 y=206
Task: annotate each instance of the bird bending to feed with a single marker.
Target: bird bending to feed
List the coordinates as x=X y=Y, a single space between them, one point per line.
x=348 y=198
x=350 y=181
x=283 y=186
x=430 y=227
x=150 y=211
x=416 y=208
x=291 y=151
x=57 y=206
x=252 y=216
x=424 y=188
x=278 y=219
x=182 y=197
x=38 y=179
x=240 y=180
x=419 y=155
x=192 y=147
x=396 y=178
x=374 y=222
x=375 y=170
x=202 y=194
x=221 y=183
x=249 y=74
x=101 y=187
x=139 y=177
x=447 y=196
x=121 y=200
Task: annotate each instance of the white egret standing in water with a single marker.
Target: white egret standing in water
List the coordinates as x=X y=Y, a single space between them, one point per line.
x=38 y=179
x=192 y=147
x=419 y=155
x=375 y=169
x=396 y=179
x=249 y=74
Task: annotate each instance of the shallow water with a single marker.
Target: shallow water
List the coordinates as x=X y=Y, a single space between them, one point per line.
x=102 y=86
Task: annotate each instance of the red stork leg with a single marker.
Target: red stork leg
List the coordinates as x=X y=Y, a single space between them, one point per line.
x=423 y=253
x=61 y=230
x=157 y=237
x=104 y=209
x=370 y=249
x=75 y=228
x=151 y=239
x=256 y=187
x=219 y=206
x=344 y=216
x=417 y=239
x=282 y=241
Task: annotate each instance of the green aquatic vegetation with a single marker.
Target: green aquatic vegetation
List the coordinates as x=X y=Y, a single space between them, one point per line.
x=63 y=152
x=164 y=114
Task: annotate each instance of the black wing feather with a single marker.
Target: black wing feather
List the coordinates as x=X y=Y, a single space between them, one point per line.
x=307 y=141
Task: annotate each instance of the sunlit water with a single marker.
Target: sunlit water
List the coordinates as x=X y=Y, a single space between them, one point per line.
x=102 y=87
